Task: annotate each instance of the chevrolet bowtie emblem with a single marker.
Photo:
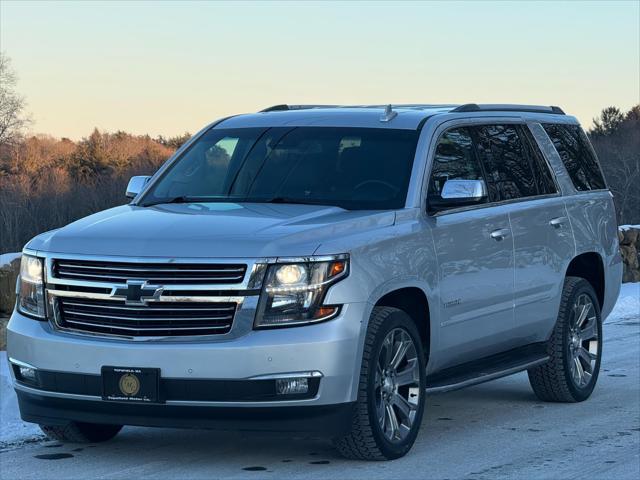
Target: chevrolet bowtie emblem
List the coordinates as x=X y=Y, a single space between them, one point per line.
x=136 y=293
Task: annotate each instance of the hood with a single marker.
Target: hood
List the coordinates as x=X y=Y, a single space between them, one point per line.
x=209 y=230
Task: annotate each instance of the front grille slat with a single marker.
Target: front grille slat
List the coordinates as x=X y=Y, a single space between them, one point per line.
x=157 y=319
x=147 y=270
x=143 y=319
x=209 y=307
x=161 y=273
x=88 y=324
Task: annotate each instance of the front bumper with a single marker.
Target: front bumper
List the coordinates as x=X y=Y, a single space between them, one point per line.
x=332 y=348
x=323 y=419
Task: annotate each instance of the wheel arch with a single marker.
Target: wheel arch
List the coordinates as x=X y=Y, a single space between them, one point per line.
x=590 y=266
x=412 y=300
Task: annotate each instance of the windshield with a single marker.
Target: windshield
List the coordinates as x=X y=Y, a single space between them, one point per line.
x=353 y=168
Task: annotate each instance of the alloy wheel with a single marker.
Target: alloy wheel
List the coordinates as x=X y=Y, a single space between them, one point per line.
x=584 y=345
x=397 y=385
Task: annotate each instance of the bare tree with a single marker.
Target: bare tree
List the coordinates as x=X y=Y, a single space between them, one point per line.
x=616 y=138
x=13 y=119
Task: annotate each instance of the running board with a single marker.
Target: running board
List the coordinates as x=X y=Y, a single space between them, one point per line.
x=487 y=369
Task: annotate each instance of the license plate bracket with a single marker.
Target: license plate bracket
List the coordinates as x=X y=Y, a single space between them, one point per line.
x=131 y=384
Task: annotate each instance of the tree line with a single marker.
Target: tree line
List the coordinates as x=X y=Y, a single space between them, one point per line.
x=46 y=182
x=615 y=136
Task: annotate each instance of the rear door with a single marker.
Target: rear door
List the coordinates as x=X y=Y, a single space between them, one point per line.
x=520 y=178
x=474 y=249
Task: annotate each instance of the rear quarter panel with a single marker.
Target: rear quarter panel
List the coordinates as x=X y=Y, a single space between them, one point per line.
x=595 y=229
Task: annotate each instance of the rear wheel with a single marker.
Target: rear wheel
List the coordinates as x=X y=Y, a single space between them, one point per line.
x=78 y=432
x=390 y=401
x=575 y=347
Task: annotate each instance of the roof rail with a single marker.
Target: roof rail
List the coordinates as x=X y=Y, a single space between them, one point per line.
x=474 y=107
x=283 y=107
x=276 y=108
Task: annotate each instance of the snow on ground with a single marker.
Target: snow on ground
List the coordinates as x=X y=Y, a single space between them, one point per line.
x=627 y=227
x=7 y=258
x=14 y=432
x=628 y=304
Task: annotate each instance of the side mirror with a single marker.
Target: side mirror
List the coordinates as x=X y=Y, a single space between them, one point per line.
x=136 y=184
x=459 y=193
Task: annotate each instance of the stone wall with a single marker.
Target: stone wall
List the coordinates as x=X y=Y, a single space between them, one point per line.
x=8 y=276
x=629 y=237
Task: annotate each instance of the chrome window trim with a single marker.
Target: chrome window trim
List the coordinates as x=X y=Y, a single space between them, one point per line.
x=467 y=122
x=496 y=204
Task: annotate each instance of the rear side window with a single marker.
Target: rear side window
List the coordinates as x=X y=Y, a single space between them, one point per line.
x=506 y=162
x=454 y=159
x=576 y=154
x=544 y=177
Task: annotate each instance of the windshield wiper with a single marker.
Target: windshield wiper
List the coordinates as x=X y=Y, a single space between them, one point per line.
x=180 y=199
x=295 y=201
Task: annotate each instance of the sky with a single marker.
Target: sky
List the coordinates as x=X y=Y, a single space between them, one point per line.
x=167 y=67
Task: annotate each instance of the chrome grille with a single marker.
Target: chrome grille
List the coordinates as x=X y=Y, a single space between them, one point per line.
x=158 y=273
x=157 y=319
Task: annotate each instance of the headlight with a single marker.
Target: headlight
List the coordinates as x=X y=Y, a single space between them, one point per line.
x=293 y=293
x=31 y=287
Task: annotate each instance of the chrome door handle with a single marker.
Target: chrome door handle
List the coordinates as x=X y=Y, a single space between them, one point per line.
x=498 y=235
x=557 y=222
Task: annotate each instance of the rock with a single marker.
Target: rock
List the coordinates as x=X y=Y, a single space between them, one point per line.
x=8 y=276
x=630 y=256
x=629 y=238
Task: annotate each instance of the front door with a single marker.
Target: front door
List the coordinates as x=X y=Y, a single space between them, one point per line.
x=474 y=250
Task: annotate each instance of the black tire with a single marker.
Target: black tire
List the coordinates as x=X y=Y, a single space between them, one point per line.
x=366 y=439
x=77 y=432
x=553 y=381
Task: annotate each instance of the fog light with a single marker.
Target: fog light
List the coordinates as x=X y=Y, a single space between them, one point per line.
x=28 y=373
x=292 y=386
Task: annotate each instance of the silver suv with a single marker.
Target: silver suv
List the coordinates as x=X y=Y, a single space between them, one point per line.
x=322 y=269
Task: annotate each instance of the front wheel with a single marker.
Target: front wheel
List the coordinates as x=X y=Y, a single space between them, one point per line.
x=391 y=397
x=79 y=432
x=575 y=347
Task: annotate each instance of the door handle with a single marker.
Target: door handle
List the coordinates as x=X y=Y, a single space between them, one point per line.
x=557 y=222
x=498 y=235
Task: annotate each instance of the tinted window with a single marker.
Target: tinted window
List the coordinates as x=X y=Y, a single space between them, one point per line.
x=454 y=159
x=354 y=168
x=576 y=154
x=506 y=163
x=544 y=177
